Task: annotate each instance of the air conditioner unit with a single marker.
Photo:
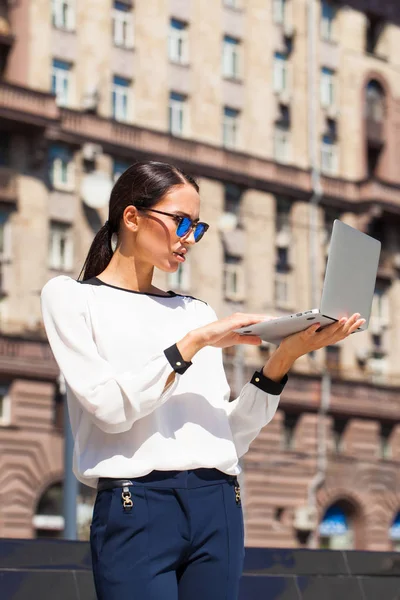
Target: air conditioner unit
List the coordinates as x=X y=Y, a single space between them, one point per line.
x=305 y=518
x=90 y=101
x=284 y=97
x=362 y=355
x=332 y=111
x=282 y=239
x=91 y=151
x=288 y=29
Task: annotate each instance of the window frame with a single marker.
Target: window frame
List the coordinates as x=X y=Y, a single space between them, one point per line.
x=123 y=19
x=61 y=79
x=59 y=21
x=178 y=42
x=231 y=57
x=280 y=73
x=230 y=127
x=279 y=11
x=329 y=156
x=327 y=24
x=233 y=280
x=177 y=114
x=62 y=168
x=328 y=85
x=121 y=94
x=62 y=261
x=282 y=140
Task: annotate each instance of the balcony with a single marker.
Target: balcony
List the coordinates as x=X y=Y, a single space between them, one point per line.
x=8 y=185
x=27 y=106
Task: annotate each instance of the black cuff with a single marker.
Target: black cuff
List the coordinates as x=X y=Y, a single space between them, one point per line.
x=267 y=385
x=175 y=359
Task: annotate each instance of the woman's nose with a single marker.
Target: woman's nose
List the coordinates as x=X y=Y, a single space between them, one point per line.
x=189 y=237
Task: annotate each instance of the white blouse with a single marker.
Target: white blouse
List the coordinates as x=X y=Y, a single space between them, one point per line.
x=109 y=344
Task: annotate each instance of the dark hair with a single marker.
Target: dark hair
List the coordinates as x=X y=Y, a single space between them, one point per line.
x=143 y=185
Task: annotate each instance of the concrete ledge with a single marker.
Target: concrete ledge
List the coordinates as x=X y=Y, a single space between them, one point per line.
x=47 y=569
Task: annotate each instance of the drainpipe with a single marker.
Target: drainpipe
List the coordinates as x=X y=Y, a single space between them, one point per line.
x=316 y=195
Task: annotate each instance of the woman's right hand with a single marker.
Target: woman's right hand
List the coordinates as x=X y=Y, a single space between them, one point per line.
x=220 y=334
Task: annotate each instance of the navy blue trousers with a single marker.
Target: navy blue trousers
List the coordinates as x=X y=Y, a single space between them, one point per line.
x=182 y=539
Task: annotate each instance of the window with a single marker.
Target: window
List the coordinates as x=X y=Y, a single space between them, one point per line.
x=282 y=259
x=374 y=30
x=233 y=279
x=232 y=3
x=177 y=114
x=180 y=279
x=329 y=162
x=332 y=359
x=279 y=11
x=327 y=20
x=122 y=22
x=5 y=143
x=61 y=81
x=289 y=428
x=63 y=14
x=121 y=99
x=375 y=108
x=230 y=127
x=394 y=533
x=281 y=144
x=282 y=219
x=5 y=406
x=339 y=426
x=232 y=199
x=327 y=87
x=5 y=237
x=230 y=57
x=380 y=308
x=335 y=529
x=62 y=168
x=178 y=42
x=385 y=447
x=60 y=247
x=280 y=72
x=119 y=167
x=281 y=289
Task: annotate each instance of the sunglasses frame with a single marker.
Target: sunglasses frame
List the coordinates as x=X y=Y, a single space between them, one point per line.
x=179 y=219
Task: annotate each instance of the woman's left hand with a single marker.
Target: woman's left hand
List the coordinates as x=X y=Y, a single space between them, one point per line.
x=310 y=339
x=298 y=344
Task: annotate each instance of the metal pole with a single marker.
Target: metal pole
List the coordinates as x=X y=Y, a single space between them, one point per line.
x=320 y=474
x=70 y=482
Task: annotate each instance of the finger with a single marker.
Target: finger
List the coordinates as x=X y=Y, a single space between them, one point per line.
x=356 y=326
x=350 y=322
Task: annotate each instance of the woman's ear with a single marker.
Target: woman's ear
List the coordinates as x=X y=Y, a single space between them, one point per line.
x=130 y=218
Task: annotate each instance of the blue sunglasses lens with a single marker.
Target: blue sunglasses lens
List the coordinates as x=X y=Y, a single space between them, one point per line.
x=184 y=227
x=199 y=232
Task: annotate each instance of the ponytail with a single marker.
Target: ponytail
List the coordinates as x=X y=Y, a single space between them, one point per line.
x=100 y=254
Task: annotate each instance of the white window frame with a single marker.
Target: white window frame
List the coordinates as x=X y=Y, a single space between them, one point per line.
x=5 y=416
x=123 y=31
x=231 y=57
x=279 y=11
x=121 y=100
x=181 y=278
x=327 y=24
x=5 y=225
x=280 y=73
x=234 y=288
x=60 y=233
x=62 y=170
x=230 y=128
x=61 y=82
x=178 y=43
x=328 y=87
x=177 y=114
x=282 y=144
x=63 y=14
x=329 y=158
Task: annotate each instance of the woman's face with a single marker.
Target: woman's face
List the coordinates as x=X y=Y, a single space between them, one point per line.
x=156 y=240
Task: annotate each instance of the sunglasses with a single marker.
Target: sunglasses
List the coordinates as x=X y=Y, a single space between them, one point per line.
x=184 y=224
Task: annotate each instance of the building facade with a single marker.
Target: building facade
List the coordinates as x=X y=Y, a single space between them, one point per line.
x=288 y=114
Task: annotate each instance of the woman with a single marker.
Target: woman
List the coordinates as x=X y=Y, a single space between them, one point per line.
x=148 y=398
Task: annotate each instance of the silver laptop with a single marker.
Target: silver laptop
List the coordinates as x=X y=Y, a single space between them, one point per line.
x=349 y=285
